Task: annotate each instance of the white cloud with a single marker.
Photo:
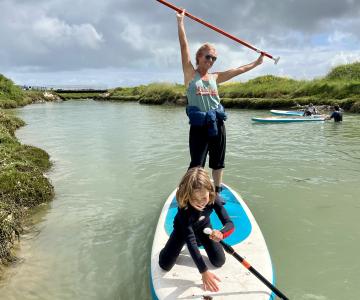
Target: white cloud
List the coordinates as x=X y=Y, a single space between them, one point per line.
x=339 y=36
x=345 y=57
x=55 y=32
x=133 y=35
x=67 y=36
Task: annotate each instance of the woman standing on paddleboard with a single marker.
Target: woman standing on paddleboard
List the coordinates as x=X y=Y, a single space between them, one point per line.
x=206 y=114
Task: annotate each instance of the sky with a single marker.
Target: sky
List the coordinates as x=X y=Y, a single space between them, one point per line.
x=111 y=43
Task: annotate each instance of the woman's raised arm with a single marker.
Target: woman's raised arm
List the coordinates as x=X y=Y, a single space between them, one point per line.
x=227 y=75
x=187 y=66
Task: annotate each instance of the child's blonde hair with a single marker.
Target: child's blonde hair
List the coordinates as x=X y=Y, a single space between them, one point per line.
x=194 y=179
x=202 y=49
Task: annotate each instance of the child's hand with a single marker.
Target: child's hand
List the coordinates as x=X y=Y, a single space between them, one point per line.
x=216 y=236
x=209 y=280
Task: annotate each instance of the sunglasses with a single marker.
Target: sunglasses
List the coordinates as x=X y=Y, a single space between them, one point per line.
x=210 y=57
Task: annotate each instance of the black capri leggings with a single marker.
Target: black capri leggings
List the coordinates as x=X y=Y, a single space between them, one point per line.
x=200 y=144
x=169 y=254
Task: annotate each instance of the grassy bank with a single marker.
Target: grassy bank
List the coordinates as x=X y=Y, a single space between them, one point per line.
x=22 y=181
x=341 y=85
x=11 y=96
x=154 y=93
x=78 y=95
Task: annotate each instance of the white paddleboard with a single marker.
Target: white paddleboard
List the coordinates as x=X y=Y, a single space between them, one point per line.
x=183 y=281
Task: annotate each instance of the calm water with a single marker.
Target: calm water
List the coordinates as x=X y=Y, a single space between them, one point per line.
x=116 y=163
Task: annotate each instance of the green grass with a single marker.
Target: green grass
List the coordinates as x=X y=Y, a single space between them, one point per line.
x=10 y=95
x=267 y=86
x=347 y=72
x=154 y=93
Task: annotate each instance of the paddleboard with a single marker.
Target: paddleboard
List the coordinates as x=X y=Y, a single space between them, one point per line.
x=288 y=119
x=183 y=281
x=287 y=112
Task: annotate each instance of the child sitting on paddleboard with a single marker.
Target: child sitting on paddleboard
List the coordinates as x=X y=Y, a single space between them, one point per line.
x=197 y=199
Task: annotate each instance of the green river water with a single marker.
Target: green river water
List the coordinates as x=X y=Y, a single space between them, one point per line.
x=116 y=163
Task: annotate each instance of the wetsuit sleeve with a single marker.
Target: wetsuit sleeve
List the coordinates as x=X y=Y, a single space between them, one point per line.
x=224 y=218
x=190 y=239
x=194 y=250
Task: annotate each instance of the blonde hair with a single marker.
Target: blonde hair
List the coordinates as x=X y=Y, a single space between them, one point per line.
x=194 y=179
x=202 y=49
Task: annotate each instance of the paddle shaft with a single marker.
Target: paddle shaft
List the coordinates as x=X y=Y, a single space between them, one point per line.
x=231 y=251
x=180 y=10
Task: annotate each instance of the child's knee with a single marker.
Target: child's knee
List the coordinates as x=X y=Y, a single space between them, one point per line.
x=165 y=263
x=164 y=266
x=218 y=261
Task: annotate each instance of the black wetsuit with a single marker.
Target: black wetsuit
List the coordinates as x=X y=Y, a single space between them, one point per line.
x=188 y=228
x=337 y=115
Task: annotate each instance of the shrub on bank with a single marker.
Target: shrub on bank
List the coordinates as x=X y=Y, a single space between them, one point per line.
x=328 y=89
x=9 y=90
x=267 y=86
x=12 y=96
x=159 y=93
x=166 y=92
x=347 y=72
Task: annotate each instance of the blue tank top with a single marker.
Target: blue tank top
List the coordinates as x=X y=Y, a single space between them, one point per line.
x=203 y=94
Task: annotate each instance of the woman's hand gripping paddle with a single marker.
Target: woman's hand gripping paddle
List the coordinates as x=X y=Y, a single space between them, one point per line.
x=247 y=265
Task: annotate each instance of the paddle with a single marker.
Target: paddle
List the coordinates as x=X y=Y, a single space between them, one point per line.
x=180 y=10
x=247 y=265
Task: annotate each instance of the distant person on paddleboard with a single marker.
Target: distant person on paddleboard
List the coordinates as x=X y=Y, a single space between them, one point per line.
x=310 y=110
x=206 y=114
x=336 y=114
x=196 y=200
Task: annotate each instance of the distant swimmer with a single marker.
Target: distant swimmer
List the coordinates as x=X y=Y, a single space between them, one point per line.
x=337 y=115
